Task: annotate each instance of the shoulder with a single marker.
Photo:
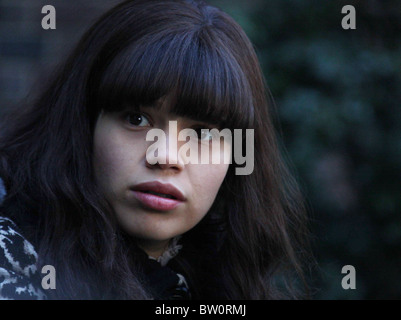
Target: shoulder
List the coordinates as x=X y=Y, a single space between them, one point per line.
x=18 y=272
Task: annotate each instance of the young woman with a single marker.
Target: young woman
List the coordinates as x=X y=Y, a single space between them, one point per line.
x=81 y=193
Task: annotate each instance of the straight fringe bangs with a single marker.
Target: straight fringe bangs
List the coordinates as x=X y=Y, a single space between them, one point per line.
x=200 y=80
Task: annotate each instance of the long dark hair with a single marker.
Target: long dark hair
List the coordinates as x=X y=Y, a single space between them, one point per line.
x=251 y=243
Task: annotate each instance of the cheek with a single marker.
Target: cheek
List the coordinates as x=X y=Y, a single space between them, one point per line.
x=113 y=160
x=107 y=158
x=118 y=158
x=206 y=179
x=206 y=183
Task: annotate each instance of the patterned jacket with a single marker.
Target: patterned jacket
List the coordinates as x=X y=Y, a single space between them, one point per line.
x=19 y=277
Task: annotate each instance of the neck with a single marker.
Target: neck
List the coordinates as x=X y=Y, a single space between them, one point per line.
x=153 y=248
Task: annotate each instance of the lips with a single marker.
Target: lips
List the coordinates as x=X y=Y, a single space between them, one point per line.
x=158 y=196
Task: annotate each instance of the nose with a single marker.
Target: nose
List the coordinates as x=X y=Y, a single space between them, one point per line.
x=164 y=155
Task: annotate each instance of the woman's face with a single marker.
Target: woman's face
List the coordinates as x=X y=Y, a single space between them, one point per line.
x=154 y=202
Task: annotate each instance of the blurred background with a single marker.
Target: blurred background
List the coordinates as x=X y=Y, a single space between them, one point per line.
x=338 y=98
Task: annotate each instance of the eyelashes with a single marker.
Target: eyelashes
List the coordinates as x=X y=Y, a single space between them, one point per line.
x=137 y=120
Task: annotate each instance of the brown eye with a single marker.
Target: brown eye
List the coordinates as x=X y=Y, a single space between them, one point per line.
x=138 y=120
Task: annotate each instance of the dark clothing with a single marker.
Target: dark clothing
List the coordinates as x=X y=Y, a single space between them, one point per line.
x=164 y=283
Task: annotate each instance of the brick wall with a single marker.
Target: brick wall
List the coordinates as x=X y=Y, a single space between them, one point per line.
x=27 y=51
